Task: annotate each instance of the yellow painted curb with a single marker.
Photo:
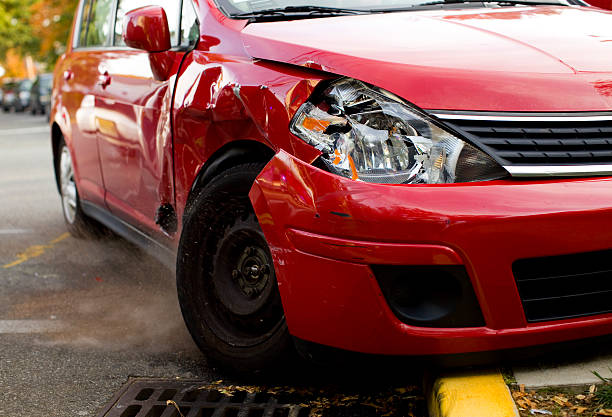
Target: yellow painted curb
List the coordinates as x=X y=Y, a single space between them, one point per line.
x=470 y=394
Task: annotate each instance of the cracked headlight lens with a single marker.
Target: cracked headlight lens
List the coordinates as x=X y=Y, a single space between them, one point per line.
x=369 y=135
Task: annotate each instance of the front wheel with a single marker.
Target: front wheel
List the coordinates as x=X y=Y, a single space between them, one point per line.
x=226 y=280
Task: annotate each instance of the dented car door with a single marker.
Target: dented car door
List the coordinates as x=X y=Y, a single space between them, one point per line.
x=133 y=124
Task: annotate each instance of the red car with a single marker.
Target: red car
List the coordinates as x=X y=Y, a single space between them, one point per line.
x=381 y=176
x=604 y=4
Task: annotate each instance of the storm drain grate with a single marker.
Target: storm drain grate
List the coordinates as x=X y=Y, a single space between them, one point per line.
x=192 y=398
x=163 y=398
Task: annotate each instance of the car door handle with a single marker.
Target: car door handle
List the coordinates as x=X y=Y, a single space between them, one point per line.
x=68 y=75
x=104 y=80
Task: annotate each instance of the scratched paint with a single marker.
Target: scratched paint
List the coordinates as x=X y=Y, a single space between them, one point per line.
x=35 y=251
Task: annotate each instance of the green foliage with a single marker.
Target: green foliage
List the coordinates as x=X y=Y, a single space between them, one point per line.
x=15 y=30
x=51 y=21
x=39 y=28
x=604 y=393
x=508 y=376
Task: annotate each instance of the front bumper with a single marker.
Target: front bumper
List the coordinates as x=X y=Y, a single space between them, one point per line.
x=324 y=232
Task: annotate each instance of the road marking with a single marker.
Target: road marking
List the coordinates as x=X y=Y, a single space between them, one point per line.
x=470 y=394
x=24 y=130
x=13 y=231
x=35 y=251
x=29 y=326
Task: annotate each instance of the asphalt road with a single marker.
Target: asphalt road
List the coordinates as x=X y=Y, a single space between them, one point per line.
x=78 y=317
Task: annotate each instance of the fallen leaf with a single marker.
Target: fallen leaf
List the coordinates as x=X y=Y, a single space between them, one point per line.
x=535 y=411
x=605 y=412
x=580 y=410
x=523 y=403
x=170 y=402
x=580 y=397
x=522 y=387
x=560 y=400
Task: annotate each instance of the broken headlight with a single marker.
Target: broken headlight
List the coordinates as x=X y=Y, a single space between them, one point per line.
x=367 y=134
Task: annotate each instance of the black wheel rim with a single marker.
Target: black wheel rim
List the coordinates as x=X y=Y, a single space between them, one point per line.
x=243 y=274
x=241 y=296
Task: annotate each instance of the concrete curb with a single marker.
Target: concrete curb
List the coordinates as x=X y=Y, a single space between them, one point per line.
x=480 y=393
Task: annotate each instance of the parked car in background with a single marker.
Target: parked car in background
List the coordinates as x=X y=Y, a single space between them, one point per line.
x=9 y=94
x=22 y=99
x=40 y=94
x=399 y=177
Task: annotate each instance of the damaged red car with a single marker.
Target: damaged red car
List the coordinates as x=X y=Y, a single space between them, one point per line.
x=395 y=177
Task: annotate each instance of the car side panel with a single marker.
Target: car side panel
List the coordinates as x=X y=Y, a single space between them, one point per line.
x=133 y=125
x=75 y=106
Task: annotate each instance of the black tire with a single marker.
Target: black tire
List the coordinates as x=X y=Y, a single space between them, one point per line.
x=77 y=222
x=234 y=316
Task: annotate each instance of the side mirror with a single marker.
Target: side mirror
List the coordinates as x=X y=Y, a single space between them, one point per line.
x=147 y=28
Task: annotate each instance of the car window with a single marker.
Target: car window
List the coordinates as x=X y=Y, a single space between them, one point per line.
x=46 y=82
x=170 y=6
x=190 y=31
x=25 y=85
x=83 y=22
x=99 y=23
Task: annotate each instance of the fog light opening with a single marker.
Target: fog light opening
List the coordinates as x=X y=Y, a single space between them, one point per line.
x=430 y=296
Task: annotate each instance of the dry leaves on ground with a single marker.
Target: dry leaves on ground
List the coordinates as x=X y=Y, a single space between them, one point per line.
x=559 y=403
x=403 y=401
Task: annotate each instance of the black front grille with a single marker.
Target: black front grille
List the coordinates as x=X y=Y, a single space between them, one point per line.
x=541 y=142
x=561 y=287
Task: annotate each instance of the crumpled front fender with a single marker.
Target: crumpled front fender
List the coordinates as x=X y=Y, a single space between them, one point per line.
x=324 y=232
x=311 y=221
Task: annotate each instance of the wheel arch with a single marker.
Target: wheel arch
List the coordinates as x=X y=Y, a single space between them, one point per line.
x=56 y=139
x=230 y=154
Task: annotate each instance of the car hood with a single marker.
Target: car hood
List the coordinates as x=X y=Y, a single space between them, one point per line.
x=544 y=58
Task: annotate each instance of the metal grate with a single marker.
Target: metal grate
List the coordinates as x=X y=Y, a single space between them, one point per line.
x=548 y=142
x=148 y=398
x=567 y=286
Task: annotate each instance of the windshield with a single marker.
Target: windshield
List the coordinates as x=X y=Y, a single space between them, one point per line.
x=241 y=7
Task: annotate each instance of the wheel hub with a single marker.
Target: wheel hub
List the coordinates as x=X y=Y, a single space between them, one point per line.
x=252 y=271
